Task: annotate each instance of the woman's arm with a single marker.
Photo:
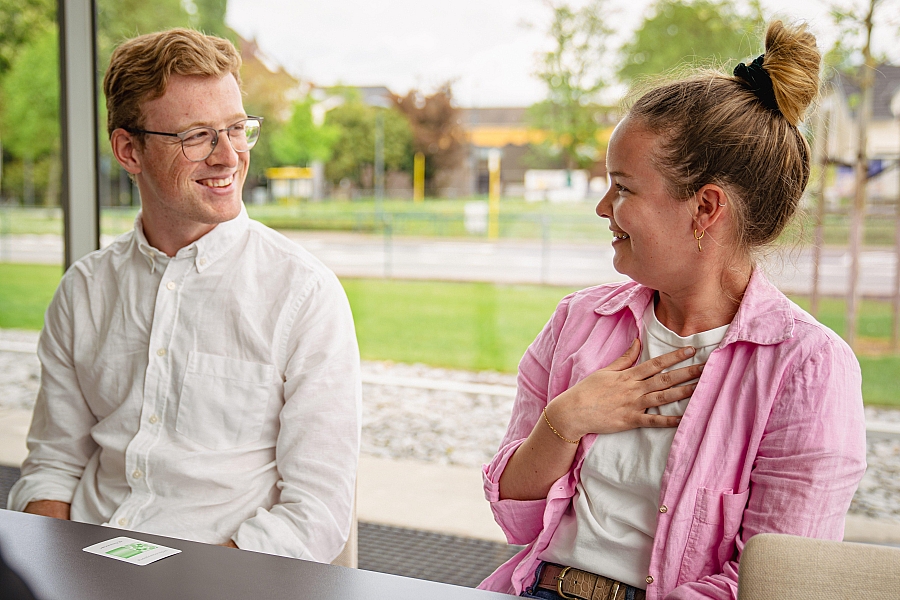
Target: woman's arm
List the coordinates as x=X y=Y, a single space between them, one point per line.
x=609 y=400
x=808 y=465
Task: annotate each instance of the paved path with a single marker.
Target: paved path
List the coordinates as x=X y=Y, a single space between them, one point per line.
x=508 y=261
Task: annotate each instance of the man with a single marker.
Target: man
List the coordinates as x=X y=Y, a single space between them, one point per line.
x=200 y=376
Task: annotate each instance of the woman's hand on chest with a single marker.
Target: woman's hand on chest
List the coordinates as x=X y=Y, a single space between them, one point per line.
x=616 y=397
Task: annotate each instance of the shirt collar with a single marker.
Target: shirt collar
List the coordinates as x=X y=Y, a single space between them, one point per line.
x=154 y=257
x=205 y=251
x=764 y=316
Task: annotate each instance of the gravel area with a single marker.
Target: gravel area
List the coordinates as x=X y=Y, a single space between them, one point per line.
x=463 y=428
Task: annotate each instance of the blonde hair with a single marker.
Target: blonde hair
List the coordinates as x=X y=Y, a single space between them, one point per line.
x=139 y=70
x=714 y=128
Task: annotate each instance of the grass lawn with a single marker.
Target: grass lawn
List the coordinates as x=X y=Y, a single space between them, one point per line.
x=461 y=325
x=466 y=325
x=25 y=292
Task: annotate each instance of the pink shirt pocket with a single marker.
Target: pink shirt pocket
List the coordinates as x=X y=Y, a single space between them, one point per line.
x=711 y=541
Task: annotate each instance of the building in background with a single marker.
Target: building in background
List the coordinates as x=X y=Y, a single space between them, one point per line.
x=839 y=106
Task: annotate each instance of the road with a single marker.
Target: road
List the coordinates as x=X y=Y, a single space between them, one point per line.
x=506 y=261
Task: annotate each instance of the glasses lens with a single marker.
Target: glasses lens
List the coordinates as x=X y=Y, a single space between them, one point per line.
x=243 y=135
x=198 y=143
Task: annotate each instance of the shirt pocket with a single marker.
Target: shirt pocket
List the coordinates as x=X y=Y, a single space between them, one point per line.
x=223 y=401
x=718 y=515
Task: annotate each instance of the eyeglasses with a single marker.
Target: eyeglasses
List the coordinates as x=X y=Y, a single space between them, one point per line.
x=198 y=143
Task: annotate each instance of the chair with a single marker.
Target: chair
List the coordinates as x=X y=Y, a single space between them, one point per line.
x=776 y=566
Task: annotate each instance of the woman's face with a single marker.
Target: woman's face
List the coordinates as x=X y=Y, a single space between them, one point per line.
x=653 y=232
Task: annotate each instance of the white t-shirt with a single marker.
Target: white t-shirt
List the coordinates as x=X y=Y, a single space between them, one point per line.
x=610 y=525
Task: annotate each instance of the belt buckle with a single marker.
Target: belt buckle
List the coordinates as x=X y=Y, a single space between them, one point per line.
x=559 y=583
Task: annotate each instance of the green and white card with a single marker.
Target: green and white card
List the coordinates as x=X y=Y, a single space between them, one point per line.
x=131 y=551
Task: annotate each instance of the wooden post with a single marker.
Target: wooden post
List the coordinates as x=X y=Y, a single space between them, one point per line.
x=858 y=210
x=895 y=332
x=821 y=158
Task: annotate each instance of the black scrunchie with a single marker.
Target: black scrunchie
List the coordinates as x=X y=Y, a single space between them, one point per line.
x=758 y=80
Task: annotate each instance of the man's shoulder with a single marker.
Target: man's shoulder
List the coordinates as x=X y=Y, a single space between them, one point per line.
x=291 y=255
x=108 y=257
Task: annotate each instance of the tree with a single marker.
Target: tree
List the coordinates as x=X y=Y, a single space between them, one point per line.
x=354 y=149
x=30 y=115
x=436 y=130
x=858 y=23
x=22 y=20
x=267 y=93
x=695 y=32
x=209 y=17
x=574 y=71
x=299 y=141
x=118 y=20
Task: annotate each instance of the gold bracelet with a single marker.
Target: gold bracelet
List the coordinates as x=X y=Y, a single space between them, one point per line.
x=553 y=429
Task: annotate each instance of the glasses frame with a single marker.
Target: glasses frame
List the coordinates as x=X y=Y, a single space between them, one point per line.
x=215 y=141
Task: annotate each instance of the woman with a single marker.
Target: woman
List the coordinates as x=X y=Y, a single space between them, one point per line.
x=621 y=471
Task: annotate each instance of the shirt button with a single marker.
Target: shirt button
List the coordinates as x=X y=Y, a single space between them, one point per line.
x=123 y=522
x=202 y=261
x=161 y=352
x=137 y=474
x=649 y=579
x=663 y=508
x=170 y=285
x=153 y=419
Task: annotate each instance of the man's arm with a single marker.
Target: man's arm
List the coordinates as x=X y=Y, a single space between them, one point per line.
x=59 y=440
x=317 y=450
x=49 y=508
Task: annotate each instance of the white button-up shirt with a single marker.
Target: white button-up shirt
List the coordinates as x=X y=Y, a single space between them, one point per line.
x=210 y=396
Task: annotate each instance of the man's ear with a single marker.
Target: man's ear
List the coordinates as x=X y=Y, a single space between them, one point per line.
x=125 y=149
x=711 y=204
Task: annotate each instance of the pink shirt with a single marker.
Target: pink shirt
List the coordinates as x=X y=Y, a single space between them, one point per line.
x=773 y=439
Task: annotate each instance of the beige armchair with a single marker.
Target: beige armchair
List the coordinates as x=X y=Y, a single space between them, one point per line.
x=776 y=566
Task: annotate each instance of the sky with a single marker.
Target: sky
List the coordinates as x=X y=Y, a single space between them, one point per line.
x=487 y=48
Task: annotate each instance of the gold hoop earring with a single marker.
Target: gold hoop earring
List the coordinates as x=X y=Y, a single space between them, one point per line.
x=698 y=238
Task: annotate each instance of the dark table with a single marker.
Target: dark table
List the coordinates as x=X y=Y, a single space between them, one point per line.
x=48 y=554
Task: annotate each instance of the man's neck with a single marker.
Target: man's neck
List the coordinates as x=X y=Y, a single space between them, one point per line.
x=169 y=237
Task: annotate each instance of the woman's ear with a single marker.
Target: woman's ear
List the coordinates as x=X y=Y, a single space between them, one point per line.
x=126 y=151
x=712 y=202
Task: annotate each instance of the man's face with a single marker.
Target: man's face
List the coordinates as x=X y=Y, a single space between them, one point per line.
x=185 y=196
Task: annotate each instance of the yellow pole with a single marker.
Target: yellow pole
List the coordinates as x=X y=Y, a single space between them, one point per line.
x=494 y=194
x=419 y=177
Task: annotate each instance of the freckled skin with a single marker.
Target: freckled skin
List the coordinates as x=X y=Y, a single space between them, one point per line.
x=660 y=251
x=177 y=208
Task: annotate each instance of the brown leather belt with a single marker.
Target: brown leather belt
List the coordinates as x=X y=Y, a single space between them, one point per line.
x=575 y=583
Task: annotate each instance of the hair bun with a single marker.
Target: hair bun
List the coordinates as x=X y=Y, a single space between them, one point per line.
x=792 y=61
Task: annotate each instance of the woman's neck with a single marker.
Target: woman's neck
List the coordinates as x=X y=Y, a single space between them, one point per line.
x=706 y=304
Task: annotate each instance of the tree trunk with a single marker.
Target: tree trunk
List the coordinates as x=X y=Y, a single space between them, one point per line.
x=51 y=194
x=821 y=159
x=858 y=210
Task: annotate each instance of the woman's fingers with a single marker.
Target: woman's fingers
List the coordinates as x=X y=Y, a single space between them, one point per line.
x=656 y=365
x=672 y=378
x=646 y=420
x=667 y=396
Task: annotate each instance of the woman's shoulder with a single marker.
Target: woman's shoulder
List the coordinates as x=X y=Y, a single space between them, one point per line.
x=605 y=297
x=814 y=335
